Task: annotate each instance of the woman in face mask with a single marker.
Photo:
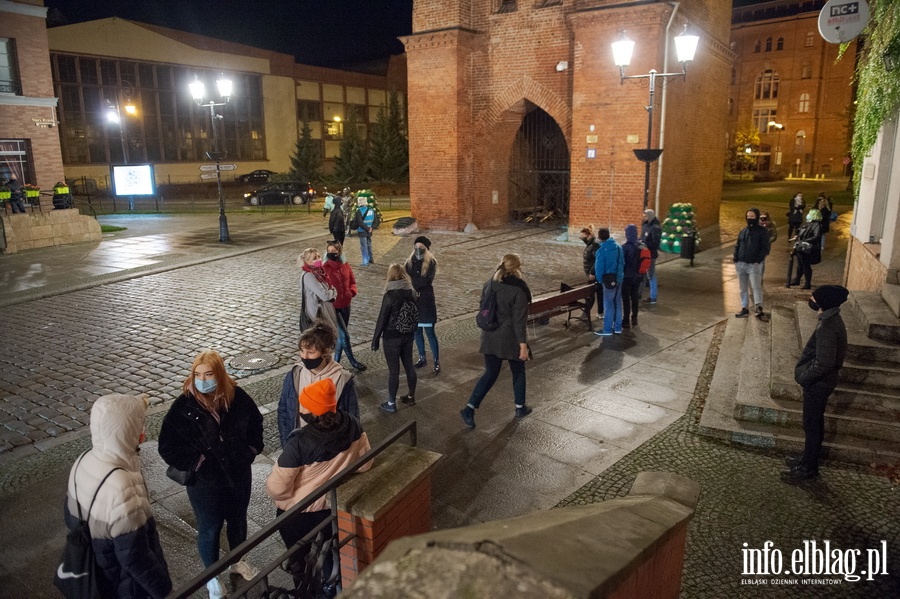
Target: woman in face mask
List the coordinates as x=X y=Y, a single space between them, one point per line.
x=808 y=248
x=215 y=430
x=316 y=363
x=421 y=268
x=317 y=295
x=339 y=275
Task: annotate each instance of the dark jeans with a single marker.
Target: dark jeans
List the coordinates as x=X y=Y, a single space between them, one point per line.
x=432 y=341
x=397 y=350
x=217 y=504
x=793 y=228
x=293 y=531
x=594 y=298
x=815 y=398
x=17 y=206
x=631 y=298
x=343 y=337
x=804 y=269
x=492 y=365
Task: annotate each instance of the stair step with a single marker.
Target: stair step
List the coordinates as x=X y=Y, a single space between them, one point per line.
x=878 y=320
x=860 y=347
x=871 y=374
x=847 y=399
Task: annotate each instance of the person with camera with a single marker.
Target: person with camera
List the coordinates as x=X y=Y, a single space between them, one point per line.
x=808 y=248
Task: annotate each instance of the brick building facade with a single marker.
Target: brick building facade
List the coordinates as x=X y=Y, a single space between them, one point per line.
x=786 y=73
x=480 y=70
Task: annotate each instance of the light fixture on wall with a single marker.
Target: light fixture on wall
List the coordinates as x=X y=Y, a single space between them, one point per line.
x=562 y=65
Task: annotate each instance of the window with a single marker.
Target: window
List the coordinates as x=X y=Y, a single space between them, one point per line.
x=309 y=110
x=810 y=38
x=806 y=71
x=757 y=46
x=761 y=118
x=804 y=103
x=767 y=85
x=779 y=45
x=504 y=6
x=768 y=44
x=9 y=74
x=14 y=154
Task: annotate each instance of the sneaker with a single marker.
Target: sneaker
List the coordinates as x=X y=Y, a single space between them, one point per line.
x=244 y=570
x=650 y=300
x=634 y=322
x=215 y=589
x=522 y=412
x=759 y=309
x=602 y=333
x=360 y=367
x=619 y=332
x=625 y=324
x=793 y=460
x=389 y=406
x=744 y=313
x=468 y=416
x=437 y=368
x=798 y=474
x=422 y=362
x=408 y=400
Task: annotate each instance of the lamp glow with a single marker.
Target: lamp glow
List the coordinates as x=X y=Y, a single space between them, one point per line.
x=622 y=50
x=225 y=87
x=686 y=46
x=198 y=90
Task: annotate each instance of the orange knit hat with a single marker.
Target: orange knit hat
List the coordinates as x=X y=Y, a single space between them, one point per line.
x=319 y=397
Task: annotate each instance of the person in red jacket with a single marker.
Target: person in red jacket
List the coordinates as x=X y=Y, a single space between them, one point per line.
x=340 y=276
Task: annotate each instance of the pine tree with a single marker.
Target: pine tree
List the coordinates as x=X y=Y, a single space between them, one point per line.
x=389 y=150
x=351 y=164
x=306 y=161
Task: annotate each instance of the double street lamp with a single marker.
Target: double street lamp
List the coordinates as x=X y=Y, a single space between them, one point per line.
x=114 y=114
x=685 y=48
x=198 y=92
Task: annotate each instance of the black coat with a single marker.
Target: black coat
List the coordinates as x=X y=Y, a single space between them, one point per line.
x=336 y=224
x=590 y=256
x=651 y=235
x=795 y=212
x=383 y=327
x=513 y=297
x=752 y=245
x=812 y=232
x=229 y=446
x=424 y=288
x=824 y=353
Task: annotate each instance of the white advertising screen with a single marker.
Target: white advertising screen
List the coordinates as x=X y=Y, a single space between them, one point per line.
x=133 y=180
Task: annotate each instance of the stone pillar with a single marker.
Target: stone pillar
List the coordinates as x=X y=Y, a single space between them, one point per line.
x=390 y=501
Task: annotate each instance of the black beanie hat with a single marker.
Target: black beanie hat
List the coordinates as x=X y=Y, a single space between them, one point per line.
x=830 y=296
x=424 y=241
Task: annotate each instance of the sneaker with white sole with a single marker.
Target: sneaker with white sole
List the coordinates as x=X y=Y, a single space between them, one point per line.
x=244 y=570
x=216 y=589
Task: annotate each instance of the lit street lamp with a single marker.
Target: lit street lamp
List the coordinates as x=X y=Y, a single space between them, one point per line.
x=780 y=128
x=685 y=48
x=114 y=115
x=198 y=91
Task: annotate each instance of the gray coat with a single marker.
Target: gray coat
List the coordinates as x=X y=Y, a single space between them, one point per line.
x=513 y=297
x=319 y=298
x=824 y=353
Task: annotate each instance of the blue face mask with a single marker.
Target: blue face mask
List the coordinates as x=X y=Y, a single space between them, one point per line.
x=207 y=386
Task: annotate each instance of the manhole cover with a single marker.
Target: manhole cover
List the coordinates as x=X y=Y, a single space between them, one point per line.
x=255 y=361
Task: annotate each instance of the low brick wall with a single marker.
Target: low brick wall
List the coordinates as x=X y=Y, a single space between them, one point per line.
x=45 y=229
x=864 y=271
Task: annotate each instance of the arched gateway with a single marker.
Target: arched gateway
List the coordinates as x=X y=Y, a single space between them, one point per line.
x=539 y=170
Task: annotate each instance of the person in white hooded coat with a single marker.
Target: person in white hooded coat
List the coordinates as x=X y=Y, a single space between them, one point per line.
x=123 y=530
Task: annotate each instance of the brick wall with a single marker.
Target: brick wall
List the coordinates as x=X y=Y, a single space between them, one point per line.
x=474 y=75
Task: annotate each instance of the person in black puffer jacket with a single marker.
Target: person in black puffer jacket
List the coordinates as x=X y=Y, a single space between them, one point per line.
x=123 y=530
x=587 y=263
x=215 y=429
x=421 y=268
x=749 y=257
x=809 y=233
x=509 y=341
x=398 y=343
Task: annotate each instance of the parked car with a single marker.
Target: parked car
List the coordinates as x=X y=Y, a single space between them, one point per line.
x=276 y=193
x=258 y=176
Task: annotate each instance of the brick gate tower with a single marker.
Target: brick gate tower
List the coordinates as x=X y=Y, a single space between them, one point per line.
x=516 y=105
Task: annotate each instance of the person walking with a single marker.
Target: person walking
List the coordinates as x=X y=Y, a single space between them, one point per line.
x=17 y=195
x=316 y=363
x=339 y=275
x=808 y=248
x=795 y=214
x=632 y=279
x=651 y=235
x=588 y=258
x=313 y=455
x=107 y=490
x=609 y=268
x=421 y=268
x=364 y=222
x=396 y=325
x=750 y=253
x=214 y=431
x=825 y=207
x=337 y=226
x=508 y=341
x=817 y=373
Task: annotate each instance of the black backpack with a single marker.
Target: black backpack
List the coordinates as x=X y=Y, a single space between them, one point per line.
x=77 y=576
x=405 y=316
x=487 y=319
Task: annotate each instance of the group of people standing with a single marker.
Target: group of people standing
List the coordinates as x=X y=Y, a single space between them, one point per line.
x=809 y=239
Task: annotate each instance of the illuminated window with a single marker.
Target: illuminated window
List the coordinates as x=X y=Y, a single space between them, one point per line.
x=804 y=103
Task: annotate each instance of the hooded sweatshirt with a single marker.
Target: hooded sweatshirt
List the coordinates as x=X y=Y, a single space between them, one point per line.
x=298 y=378
x=125 y=539
x=632 y=252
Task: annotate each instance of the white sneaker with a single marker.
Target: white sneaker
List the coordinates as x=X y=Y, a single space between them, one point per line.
x=216 y=591
x=244 y=569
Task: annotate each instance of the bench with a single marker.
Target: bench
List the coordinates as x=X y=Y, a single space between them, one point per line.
x=568 y=300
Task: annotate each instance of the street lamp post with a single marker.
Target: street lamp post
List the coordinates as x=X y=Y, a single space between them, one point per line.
x=198 y=91
x=685 y=47
x=114 y=116
x=780 y=128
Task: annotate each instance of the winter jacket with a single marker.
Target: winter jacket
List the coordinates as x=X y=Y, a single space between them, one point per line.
x=16 y=188
x=125 y=538
x=513 y=297
x=227 y=446
x=298 y=378
x=340 y=276
x=311 y=457
x=823 y=356
x=397 y=292
x=795 y=211
x=610 y=259
x=319 y=298
x=752 y=245
x=364 y=221
x=589 y=256
x=812 y=232
x=826 y=219
x=651 y=235
x=632 y=253
x=336 y=223
x=422 y=284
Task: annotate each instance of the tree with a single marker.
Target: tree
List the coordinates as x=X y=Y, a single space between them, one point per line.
x=350 y=166
x=738 y=157
x=306 y=161
x=389 y=149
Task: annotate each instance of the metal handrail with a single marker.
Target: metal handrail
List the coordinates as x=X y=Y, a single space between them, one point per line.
x=235 y=555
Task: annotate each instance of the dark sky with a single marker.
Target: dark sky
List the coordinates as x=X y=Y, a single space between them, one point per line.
x=317 y=32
